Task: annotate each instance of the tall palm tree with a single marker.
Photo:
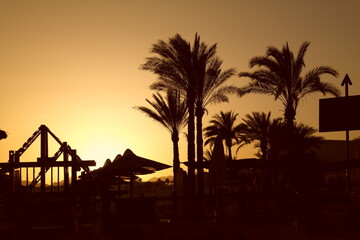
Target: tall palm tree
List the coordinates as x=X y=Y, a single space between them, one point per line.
x=173 y=65
x=223 y=126
x=170 y=112
x=209 y=90
x=280 y=75
x=3 y=134
x=181 y=66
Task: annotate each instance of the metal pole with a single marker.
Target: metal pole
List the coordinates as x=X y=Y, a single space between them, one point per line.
x=346 y=81
x=347 y=171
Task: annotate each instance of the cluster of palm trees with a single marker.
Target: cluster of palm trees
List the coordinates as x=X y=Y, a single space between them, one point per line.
x=190 y=77
x=268 y=135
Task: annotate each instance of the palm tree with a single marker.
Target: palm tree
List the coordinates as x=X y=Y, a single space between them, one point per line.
x=256 y=127
x=304 y=138
x=173 y=65
x=208 y=155
x=280 y=75
x=223 y=126
x=181 y=66
x=170 y=112
x=304 y=141
x=209 y=90
x=3 y=134
x=270 y=135
x=278 y=138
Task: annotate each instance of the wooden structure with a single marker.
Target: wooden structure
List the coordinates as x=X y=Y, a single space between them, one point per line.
x=35 y=172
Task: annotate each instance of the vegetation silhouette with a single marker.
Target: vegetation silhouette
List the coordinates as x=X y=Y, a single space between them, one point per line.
x=3 y=134
x=270 y=137
x=189 y=78
x=256 y=127
x=280 y=75
x=210 y=90
x=196 y=72
x=223 y=126
x=170 y=112
x=175 y=70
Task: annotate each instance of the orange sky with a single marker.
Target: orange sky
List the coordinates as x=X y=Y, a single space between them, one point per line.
x=74 y=65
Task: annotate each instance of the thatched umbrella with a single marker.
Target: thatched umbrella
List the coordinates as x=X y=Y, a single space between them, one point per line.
x=128 y=165
x=131 y=164
x=3 y=134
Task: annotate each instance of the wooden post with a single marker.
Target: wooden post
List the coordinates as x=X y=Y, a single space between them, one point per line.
x=51 y=179
x=132 y=185
x=11 y=172
x=74 y=169
x=66 y=173
x=44 y=156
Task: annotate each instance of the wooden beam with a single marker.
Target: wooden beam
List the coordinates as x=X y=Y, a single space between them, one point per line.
x=83 y=163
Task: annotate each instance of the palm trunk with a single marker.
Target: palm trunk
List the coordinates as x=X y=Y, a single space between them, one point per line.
x=263 y=148
x=200 y=151
x=289 y=118
x=228 y=144
x=191 y=144
x=176 y=160
x=230 y=153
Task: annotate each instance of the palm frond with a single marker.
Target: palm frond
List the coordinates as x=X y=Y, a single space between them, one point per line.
x=279 y=74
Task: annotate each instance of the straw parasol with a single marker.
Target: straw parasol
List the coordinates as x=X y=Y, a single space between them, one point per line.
x=129 y=165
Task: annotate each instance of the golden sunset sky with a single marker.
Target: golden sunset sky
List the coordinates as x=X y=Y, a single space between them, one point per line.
x=74 y=65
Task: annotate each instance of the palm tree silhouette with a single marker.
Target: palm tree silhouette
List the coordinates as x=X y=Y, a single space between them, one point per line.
x=182 y=66
x=209 y=90
x=173 y=65
x=304 y=138
x=277 y=139
x=3 y=134
x=170 y=112
x=256 y=127
x=208 y=154
x=280 y=75
x=270 y=135
x=223 y=126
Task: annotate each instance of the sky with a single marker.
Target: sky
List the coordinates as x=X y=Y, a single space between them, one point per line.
x=75 y=65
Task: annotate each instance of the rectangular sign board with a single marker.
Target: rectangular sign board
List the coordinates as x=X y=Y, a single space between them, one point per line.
x=339 y=114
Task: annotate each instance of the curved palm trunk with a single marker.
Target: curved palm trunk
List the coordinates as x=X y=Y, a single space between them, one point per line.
x=200 y=151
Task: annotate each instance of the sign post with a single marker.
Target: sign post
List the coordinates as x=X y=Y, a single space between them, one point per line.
x=346 y=82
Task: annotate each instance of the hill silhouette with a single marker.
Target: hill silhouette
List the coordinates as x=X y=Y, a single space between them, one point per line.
x=163 y=178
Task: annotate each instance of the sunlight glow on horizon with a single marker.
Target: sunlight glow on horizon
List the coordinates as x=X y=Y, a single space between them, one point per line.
x=74 y=66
